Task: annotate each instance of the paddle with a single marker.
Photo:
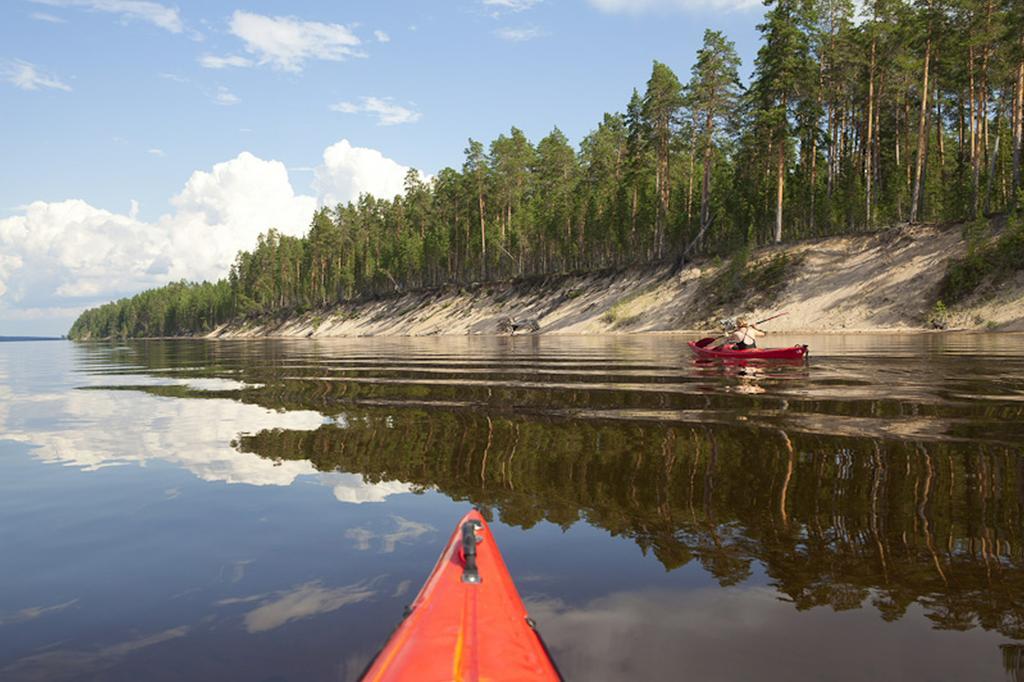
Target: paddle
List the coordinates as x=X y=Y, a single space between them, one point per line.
x=708 y=340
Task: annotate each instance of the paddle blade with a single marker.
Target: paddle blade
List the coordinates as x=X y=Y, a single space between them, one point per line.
x=706 y=341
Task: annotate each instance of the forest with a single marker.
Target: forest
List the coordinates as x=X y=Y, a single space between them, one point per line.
x=911 y=111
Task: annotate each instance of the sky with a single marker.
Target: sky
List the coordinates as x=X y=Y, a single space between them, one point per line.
x=143 y=142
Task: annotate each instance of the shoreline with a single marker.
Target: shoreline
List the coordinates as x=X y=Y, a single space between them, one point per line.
x=879 y=282
x=882 y=282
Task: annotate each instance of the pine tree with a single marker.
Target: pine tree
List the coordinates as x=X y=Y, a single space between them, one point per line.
x=713 y=93
x=661 y=105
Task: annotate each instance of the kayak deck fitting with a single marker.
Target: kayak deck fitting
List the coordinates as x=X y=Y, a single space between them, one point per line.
x=468 y=622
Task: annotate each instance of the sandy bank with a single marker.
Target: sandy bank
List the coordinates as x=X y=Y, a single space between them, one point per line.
x=882 y=281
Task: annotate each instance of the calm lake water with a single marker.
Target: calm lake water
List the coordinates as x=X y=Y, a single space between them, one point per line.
x=263 y=510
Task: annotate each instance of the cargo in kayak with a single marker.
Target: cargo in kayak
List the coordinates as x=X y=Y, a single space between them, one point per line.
x=468 y=622
x=791 y=353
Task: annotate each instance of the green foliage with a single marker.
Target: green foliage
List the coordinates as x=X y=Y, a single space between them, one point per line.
x=990 y=261
x=740 y=282
x=939 y=316
x=617 y=317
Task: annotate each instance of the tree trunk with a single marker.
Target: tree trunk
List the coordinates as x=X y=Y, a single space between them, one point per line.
x=483 y=238
x=992 y=158
x=975 y=133
x=634 y=208
x=868 y=167
x=664 y=191
x=922 y=137
x=689 y=187
x=1018 y=131
x=941 y=146
x=705 y=190
x=780 y=178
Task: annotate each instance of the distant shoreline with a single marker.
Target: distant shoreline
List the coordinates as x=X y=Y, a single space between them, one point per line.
x=31 y=338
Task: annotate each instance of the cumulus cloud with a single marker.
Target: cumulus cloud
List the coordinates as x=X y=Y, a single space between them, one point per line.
x=287 y=43
x=641 y=6
x=155 y=152
x=520 y=35
x=209 y=61
x=347 y=172
x=388 y=114
x=154 y=13
x=70 y=249
x=226 y=209
x=58 y=257
x=27 y=76
x=382 y=37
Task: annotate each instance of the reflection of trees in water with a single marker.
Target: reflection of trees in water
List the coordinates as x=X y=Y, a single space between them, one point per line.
x=834 y=521
x=1013 y=661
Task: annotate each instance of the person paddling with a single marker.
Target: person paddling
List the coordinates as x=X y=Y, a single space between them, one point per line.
x=744 y=336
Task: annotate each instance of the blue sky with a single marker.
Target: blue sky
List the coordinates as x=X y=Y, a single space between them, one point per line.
x=146 y=141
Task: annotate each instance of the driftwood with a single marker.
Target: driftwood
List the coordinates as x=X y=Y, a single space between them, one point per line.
x=510 y=325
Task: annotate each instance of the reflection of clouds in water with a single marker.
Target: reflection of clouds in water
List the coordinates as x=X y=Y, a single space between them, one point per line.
x=69 y=664
x=304 y=601
x=406 y=531
x=352 y=488
x=748 y=634
x=361 y=536
x=93 y=429
x=235 y=571
x=34 y=612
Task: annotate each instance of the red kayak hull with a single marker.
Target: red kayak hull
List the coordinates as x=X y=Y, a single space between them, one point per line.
x=458 y=630
x=791 y=353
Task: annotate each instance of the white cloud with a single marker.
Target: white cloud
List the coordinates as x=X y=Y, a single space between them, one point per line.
x=27 y=76
x=347 y=172
x=69 y=249
x=56 y=257
x=156 y=152
x=388 y=114
x=226 y=209
x=154 y=13
x=287 y=42
x=641 y=6
x=382 y=37
x=209 y=61
x=512 y=5
x=49 y=18
x=520 y=35
x=225 y=97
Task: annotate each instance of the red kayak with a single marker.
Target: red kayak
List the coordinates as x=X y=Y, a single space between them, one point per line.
x=468 y=622
x=791 y=353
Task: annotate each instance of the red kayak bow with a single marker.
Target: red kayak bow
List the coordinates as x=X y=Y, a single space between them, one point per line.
x=468 y=622
x=791 y=353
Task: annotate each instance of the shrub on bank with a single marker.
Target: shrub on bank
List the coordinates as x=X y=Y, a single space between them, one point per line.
x=988 y=261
